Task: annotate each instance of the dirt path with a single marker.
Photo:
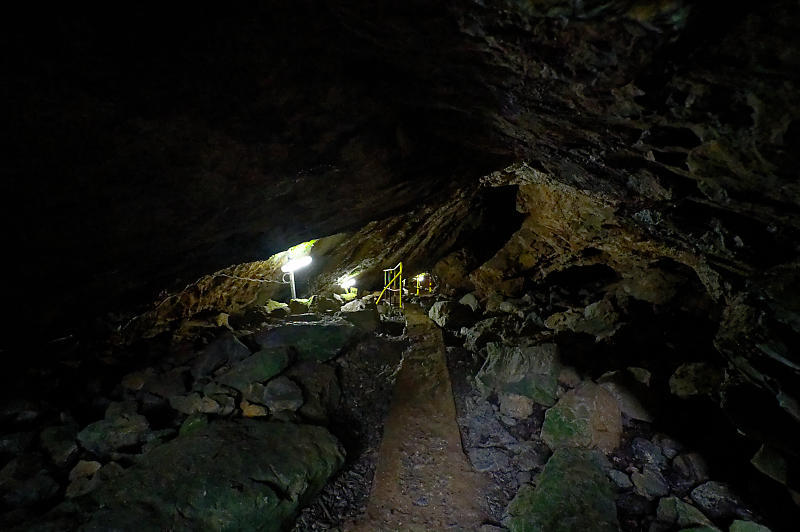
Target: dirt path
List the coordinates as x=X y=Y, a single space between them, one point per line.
x=423 y=479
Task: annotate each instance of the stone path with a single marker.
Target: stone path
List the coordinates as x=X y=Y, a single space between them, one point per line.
x=423 y=479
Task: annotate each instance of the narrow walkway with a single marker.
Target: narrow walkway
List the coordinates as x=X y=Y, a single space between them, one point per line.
x=423 y=480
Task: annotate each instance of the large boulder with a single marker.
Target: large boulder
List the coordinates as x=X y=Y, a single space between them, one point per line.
x=572 y=493
x=311 y=341
x=531 y=372
x=260 y=474
x=259 y=367
x=587 y=416
x=113 y=434
x=226 y=349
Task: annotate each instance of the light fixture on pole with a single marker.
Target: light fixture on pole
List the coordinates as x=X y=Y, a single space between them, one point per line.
x=291 y=266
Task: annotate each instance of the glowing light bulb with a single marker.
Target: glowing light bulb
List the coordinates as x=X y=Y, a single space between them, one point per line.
x=420 y=277
x=348 y=282
x=296 y=264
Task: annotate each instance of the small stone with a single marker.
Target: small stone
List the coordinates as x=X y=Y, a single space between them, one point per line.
x=251 y=410
x=648 y=452
x=489 y=459
x=747 y=526
x=650 y=484
x=84 y=468
x=641 y=375
x=120 y=408
x=515 y=405
x=669 y=447
x=620 y=479
x=282 y=393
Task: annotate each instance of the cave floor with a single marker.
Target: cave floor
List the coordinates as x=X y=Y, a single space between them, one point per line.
x=423 y=479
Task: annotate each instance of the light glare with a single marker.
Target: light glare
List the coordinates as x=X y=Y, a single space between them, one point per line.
x=348 y=282
x=296 y=264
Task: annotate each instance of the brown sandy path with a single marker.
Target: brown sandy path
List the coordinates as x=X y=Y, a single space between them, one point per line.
x=423 y=480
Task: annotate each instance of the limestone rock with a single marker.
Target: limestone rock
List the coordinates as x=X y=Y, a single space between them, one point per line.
x=195 y=403
x=573 y=493
x=367 y=320
x=650 y=484
x=587 y=416
x=107 y=435
x=276 y=309
x=298 y=306
x=259 y=367
x=251 y=410
x=676 y=512
x=317 y=342
x=260 y=474
x=321 y=304
x=528 y=371
x=282 y=393
x=695 y=378
x=485 y=459
x=470 y=301
x=226 y=349
x=648 y=453
x=629 y=403
x=772 y=463
x=747 y=526
x=598 y=319
x=449 y=314
x=718 y=501
x=691 y=466
x=515 y=405
x=320 y=388
x=480 y=334
x=622 y=480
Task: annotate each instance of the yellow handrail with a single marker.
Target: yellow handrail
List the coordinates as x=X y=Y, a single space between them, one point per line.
x=400 y=290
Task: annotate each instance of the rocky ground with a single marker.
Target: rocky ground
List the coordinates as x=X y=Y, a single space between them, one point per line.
x=234 y=421
x=575 y=439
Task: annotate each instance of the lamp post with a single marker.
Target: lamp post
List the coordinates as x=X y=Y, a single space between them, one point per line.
x=291 y=266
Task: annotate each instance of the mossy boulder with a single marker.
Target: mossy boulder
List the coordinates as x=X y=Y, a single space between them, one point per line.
x=259 y=367
x=260 y=474
x=528 y=371
x=573 y=493
x=311 y=341
x=587 y=416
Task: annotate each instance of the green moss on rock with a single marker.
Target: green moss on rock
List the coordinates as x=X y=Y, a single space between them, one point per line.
x=573 y=493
